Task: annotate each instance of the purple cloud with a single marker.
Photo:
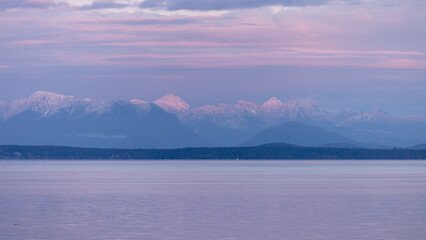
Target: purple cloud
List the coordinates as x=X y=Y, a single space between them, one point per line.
x=154 y=21
x=104 y=5
x=205 y=5
x=100 y=4
x=8 y=4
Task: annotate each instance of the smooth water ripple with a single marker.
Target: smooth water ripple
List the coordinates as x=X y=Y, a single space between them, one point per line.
x=304 y=200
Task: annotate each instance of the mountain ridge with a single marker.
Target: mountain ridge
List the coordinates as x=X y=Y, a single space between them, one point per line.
x=232 y=124
x=94 y=123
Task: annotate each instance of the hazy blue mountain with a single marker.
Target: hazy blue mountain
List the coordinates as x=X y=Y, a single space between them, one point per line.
x=224 y=125
x=46 y=119
x=298 y=134
x=229 y=125
x=3 y=108
x=378 y=126
x=50 y=118
x=418 y=146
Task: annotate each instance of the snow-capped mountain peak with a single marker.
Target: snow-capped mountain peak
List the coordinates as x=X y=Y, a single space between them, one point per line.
x=48 y=102
x=273 y=102
x=40 y=101
x=48 y=98
x=172 y=104
x=272 y=105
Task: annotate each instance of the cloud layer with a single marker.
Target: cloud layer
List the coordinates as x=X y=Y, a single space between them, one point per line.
x=205 y=5
x=7 y=4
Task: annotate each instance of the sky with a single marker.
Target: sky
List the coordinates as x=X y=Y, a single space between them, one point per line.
x=345 y=54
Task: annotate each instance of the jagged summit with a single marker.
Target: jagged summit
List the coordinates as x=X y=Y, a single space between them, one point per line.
x=304 y=109
x=248 y=106
x=273 y=102
x=173 y=104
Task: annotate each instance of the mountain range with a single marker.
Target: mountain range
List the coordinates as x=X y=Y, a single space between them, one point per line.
x=46 y=118
x=230 y=125
x=52 y=119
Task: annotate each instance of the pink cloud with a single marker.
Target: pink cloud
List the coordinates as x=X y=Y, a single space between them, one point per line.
x=41 y=1
x=302 y=37
x=32 y=42
x=243 y=59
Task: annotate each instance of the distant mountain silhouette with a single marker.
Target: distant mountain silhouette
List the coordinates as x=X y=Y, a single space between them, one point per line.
x=378 y=126
x=87 y=123
x=418 y=146
x=298 y=134
x=229 y=125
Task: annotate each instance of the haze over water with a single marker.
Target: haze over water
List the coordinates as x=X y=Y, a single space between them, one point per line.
x=212 y=199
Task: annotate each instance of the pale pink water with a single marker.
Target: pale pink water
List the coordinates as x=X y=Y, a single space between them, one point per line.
x=212 y=200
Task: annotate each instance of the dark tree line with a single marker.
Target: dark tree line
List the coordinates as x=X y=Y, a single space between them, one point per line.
x=260 y=152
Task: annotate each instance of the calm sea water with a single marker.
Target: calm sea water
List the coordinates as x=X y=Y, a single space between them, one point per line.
x=212 y=200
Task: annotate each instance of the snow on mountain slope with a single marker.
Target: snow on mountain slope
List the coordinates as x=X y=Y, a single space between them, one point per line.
x=378 y=119
x=48 y=103
x=222 y=115
x=3 y=108
x=138 y=101
x=271 y=112
x=54 y=119
x=244 y=119
x=43 y=102
x=223 y=124
x=172 y=104
x=376 y=115
x=304 y=109
x=248 y=106
x=272 y=105
x=378 y=126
